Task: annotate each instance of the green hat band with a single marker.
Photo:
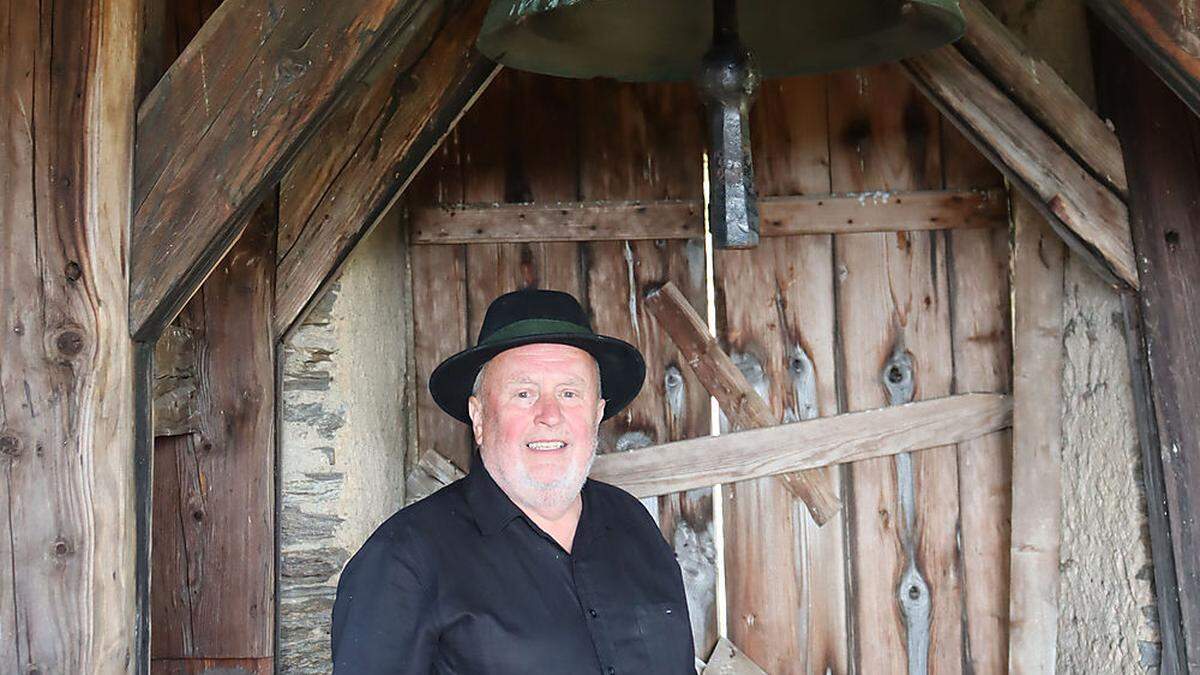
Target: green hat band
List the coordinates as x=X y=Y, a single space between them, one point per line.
x=526 y=327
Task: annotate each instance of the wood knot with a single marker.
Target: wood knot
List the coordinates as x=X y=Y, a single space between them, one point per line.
x=62 y=548
x=73 y=271
x=10 y=445
x=69 y=342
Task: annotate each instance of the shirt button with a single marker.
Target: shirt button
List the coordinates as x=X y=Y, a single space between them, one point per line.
x=592 y=612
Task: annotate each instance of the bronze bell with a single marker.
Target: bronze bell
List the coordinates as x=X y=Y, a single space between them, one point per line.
x=725 y=47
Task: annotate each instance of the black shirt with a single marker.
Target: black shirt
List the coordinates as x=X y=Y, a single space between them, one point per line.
x=464 y=582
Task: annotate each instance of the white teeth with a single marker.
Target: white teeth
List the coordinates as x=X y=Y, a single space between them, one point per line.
x=545 y=445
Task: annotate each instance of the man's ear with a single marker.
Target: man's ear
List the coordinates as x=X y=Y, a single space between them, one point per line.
x=599 y=410
x=475 y=410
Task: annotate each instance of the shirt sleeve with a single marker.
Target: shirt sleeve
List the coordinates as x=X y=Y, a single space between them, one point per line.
x=383 y=616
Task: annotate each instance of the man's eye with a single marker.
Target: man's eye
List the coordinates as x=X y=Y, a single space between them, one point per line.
x=524 y=393
x=569 y=394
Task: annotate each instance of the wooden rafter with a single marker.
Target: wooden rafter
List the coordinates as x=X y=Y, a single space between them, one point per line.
x=799 y=446
x=1165 y=34
x=1085 y=212
x=371 y=146
x=221 y=126
x=683 y=219
x=992 y=48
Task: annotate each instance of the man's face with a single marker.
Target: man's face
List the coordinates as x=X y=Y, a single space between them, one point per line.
x=535 y=420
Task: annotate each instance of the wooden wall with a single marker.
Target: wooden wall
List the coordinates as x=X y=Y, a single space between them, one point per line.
x=913 y=572
x=213 y=494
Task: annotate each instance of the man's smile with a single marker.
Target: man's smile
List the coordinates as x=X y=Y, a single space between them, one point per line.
x=546 y=445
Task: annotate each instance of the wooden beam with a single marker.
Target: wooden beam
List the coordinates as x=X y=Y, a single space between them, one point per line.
x=737 y=398
x=67 y=374
x=1085 y=213
x=365 y=155
x=800 y=446
x=1165 y=215
x=1038 y=262
x=213 y=557
x=220 y=127
x=1042 y=93
x=781 y=216
x=1165 y=34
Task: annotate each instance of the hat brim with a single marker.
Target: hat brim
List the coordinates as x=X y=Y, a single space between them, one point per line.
x=622 y=370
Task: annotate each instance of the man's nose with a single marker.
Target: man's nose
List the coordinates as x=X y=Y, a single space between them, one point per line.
x=547 y=410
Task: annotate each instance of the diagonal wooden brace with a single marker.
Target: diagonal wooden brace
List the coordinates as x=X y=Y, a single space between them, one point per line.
x=737 y=398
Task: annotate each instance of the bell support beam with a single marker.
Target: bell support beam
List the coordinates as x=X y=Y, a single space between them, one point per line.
x=1091 y=218
x=1165 y=34
x=783 y=216
x=221 y=126
x=364 y=154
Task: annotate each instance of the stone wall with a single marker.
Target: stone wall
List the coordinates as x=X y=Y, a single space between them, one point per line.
x=343 y=438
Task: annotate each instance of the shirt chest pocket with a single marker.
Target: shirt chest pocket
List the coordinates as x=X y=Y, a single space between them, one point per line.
x=653 y=638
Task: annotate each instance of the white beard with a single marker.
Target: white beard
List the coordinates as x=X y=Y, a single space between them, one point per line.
x=546 y=497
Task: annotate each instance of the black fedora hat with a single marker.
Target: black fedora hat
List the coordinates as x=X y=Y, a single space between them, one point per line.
x=535 y=316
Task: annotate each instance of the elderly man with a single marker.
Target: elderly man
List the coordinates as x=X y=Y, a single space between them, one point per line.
x=524 y=566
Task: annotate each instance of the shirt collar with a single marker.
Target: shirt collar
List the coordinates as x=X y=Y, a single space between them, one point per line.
x=493 y=509
x=490 y=506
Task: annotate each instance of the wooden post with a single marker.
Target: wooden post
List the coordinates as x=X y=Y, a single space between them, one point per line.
x=1038 y=260
x=1165 y=219
x=736 y=396
x=67 y=596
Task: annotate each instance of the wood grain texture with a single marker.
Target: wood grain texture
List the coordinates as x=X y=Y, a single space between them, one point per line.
x=1038 y=262
x=1165 y=216
x=893 y=313
x=741 y=404
x=213 y=560
x=176 y=369
x=1043 y=94
x=786 y=581
x=212 y=666
x=981 y=337
x=222 y=124
x=366 y=153
x=781 y=216
x=1089 y=217
x=67 y=504
x=816 y=442
x=1165 y=35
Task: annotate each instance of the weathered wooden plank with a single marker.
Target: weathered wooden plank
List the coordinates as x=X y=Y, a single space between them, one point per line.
x=724 y=381
x=893 y=313
x=364 y=156
x=219 y=128
x=1091 y=219
x=776 y=312
x=781 y=216
x=264 y=666
x=1165 y=216
x=439 y=330
x=1165 y=35
x=1042 y=93
x=176 y=372
x=1038 y=260
x=981 y=338
x=822 y=441
x=644 y=142
x=67 y=593
x=727 y=659
x=213 y=591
